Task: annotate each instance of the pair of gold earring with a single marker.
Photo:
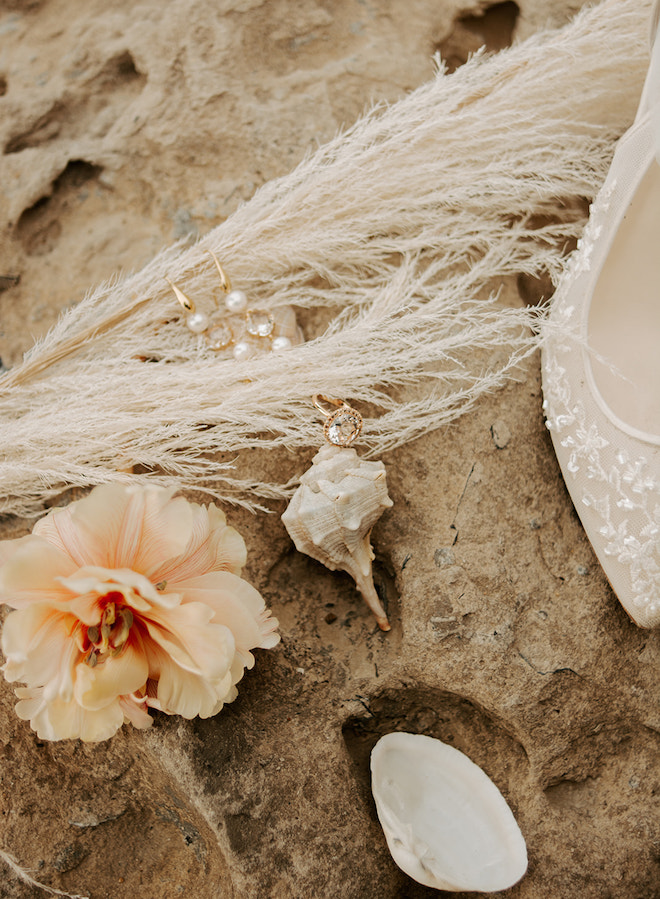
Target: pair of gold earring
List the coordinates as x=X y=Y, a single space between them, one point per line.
x=246 y=332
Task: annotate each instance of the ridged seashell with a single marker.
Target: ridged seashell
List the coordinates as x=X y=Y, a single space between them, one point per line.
x=446 y=823
x=331 y=515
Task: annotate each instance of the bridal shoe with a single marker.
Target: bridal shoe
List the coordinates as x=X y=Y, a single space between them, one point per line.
x=601 y=365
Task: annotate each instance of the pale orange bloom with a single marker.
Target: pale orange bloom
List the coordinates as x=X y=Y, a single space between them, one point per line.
x=125 y=600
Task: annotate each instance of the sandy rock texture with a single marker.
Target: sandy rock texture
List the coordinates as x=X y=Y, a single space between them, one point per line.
x=125 y=126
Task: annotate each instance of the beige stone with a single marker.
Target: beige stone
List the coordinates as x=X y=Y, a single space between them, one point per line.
x=126 y=126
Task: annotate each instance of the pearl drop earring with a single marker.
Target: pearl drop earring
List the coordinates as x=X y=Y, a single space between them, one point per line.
x=238 y=329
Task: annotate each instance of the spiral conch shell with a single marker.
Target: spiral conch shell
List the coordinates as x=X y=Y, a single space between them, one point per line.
x=331 y=515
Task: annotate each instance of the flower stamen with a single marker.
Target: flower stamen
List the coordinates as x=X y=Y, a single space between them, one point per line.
x=122 y=628
x=93 y=634
x=110 y=637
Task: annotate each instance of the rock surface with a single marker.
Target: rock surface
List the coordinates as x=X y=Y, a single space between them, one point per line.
x=125 y=126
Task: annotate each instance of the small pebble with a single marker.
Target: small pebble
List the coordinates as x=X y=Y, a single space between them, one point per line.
x=443 y=556
x=108 y=179
x=184 y=226
x=500 y=433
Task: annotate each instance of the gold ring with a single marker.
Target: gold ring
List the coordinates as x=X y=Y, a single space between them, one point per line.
x=343 y=424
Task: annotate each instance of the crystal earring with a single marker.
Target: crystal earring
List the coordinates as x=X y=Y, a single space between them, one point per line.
x=237 y=329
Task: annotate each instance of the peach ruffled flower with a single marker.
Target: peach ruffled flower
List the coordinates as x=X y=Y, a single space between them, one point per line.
x=127 y=600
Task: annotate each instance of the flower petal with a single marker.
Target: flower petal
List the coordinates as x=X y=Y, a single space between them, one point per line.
x=60 y=720
x=165 y=529
x=185 y=693
x=37 y=643
x=124 y=527
x=213 y=546
x=31 y=573
x=236 y=604
x=135 y=712
x=242 y=660
x=9 y=547
x=227 y=545
x=98 y=687
x=192 y=640
x=59 y=530
x=91 y=583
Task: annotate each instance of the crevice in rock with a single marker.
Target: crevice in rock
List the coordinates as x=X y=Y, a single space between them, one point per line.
x=441 y=714
x=492 y=27
x=121 y=68
x=385 y=584
x=7 y=281
x=90 y=110
x=39 y=227
x=42 y=131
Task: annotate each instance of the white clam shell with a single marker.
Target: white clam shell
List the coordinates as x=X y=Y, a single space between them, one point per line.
x=446 y=823
x=331 y=515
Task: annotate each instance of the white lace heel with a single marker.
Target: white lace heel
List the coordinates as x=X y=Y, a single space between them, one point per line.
x=601 y=365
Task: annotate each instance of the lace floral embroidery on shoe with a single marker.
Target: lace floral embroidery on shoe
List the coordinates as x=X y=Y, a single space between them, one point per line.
x=622 y=486
x=619 y=481
x=581 y=259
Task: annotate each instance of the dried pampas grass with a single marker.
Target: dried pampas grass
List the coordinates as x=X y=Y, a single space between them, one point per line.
x=22 y=874
x=398 y=232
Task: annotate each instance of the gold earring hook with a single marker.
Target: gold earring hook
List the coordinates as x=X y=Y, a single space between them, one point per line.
x=225 y=283
x=181 y=297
